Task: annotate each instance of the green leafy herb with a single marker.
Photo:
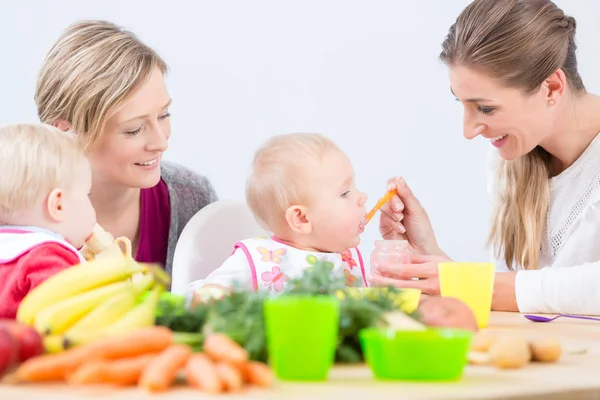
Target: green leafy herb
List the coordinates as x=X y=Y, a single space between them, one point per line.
x=318 y=280
x=172 y=313
x=194 y=340
x=240 y=314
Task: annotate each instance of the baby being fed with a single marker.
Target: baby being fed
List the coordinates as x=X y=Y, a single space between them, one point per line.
x=301 y=188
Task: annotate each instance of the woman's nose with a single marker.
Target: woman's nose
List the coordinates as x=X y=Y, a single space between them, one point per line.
x=159 y=140
x=471 y=129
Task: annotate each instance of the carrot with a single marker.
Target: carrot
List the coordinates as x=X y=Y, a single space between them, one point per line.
x=95 y=371
x=141 y=341
x=51 y=367
x=126 y=371
x=257 y=373
x=221 y=348
x=200 y=372
x=230 y=376
x=162 y=371
x=57 y=367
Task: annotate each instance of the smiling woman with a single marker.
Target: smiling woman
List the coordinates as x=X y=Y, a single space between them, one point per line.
x=512 y=65
x=102 y=83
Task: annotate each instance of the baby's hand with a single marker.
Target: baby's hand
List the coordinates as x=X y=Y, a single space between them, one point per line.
x=209 y=292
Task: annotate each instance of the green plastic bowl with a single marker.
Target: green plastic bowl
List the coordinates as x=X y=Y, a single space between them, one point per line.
x=429 y=355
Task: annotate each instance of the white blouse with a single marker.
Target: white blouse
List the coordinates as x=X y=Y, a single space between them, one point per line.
x=568 y=278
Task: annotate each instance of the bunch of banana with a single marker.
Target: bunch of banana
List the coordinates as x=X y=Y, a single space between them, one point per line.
x=93 y=300
x=103 y=245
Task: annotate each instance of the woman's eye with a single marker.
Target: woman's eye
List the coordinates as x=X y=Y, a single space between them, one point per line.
x=165 y=116
x=134 y=132
x=485 y=110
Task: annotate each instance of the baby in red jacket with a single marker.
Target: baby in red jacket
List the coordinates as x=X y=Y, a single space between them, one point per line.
x=45 y=211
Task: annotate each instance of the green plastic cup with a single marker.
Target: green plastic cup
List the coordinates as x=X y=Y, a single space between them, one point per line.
x=302 y=333
x=429 y=355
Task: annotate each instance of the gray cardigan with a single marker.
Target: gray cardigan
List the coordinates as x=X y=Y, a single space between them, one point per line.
x=188 y=193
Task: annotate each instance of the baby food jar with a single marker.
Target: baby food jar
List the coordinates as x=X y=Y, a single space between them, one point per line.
x=390 y=252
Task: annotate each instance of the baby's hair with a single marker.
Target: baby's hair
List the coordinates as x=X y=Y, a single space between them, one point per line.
x=279 y=177
x=34 y=160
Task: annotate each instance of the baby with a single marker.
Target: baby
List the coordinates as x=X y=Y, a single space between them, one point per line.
x=45 y=210
x=301 y=188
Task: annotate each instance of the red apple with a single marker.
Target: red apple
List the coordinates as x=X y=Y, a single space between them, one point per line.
x=28 y=340
x=9 y=350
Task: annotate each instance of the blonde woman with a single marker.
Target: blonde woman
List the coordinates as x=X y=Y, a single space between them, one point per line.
x=102 y=83
x=512 y=65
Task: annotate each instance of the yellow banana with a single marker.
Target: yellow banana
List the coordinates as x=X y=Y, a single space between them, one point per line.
x=142 y=315
x=73 y=281
x=54 y=343
x=112 y=309
x=103 y=245
x=99 y=241
x=60 y=316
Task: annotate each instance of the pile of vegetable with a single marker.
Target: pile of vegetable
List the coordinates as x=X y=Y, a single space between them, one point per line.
x=239 y=315
x=151 y=359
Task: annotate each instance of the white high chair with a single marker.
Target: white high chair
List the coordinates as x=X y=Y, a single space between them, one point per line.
x=208 y=238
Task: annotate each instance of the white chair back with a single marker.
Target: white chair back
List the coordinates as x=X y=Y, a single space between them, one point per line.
x=208 y=238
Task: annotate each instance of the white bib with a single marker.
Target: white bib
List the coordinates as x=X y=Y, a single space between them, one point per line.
x=273 y=263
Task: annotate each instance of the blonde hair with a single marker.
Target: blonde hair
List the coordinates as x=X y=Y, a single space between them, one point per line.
x=89 y=72
x=35 y=158
x=521 y=43
x=280 y=174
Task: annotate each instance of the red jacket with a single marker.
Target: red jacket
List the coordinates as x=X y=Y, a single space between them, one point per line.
x=30 y=268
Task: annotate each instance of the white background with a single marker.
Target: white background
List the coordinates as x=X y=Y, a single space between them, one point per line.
x=365 y=73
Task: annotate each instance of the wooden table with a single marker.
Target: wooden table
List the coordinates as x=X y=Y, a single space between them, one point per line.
x=575 y=376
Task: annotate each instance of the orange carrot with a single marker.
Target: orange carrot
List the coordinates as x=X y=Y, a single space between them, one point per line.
x=126 y=371
x=200 y=372
x=141 y=341
x=378 y=205
x=257 y=373
x=51 y=367
x=221 y=348
x=230 y=376
x=162 y=371
x=95 y=371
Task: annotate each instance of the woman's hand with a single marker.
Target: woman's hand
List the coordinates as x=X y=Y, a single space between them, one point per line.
x=404 y=218
x=425 y=268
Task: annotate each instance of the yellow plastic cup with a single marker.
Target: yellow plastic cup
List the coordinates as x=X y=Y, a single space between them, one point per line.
x=470 y=282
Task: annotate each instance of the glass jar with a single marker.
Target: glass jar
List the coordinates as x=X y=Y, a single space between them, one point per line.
x=390 y=252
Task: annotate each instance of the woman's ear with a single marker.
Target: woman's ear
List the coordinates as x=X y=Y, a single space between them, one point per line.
x=296 y=219
x=555 y=85
x=62 y=125
x=55 y=205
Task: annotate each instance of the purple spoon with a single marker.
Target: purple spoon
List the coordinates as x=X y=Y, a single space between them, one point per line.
x=539 y=318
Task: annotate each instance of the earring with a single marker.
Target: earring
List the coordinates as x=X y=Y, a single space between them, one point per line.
x=550 y=103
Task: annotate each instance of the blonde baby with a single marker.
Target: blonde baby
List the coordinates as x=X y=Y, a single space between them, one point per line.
x=301 y=188
x=45 y=211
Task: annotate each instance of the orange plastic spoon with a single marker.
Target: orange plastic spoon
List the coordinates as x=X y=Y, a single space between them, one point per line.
x=377 y=206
